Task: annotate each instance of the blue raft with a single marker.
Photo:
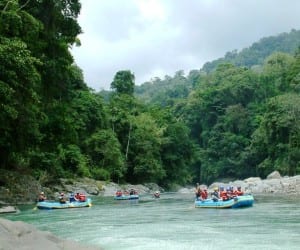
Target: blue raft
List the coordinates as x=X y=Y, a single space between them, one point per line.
x=57 y=205
x=237 y=202
x=127 y=197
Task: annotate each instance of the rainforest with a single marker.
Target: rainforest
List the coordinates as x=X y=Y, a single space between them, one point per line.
x=237 y=116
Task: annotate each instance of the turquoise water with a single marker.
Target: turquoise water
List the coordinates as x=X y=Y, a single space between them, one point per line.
x=172 y=222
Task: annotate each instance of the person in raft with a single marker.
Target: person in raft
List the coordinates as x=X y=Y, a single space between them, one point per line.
x=204 y=194
x=198 y=191
x=225 y=194
x=156 y=194
x=42 y=197
x=119 y=193
x=80 y=197
x=72 y=197
x=62 y=198
x=215 y=194
x=132 y=192
x=239 y=191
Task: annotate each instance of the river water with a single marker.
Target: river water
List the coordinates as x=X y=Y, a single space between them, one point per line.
x=172 y=223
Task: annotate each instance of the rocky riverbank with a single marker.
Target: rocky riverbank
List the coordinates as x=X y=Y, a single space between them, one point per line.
x=273 y=184
x=23 y=189
x=22 y=236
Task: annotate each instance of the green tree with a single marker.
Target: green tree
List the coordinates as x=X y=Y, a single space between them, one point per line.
x=105 y=155
x=59 y=31
x=177 y=154
x=19 y=102
x=293 y=76
x=278 y=136
x=275 y=72
x=73 y=161
x=123 y=82
x=145 y=150
x=88 y=113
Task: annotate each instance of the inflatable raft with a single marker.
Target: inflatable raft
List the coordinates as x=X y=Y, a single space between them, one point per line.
x=239 y=201
x=57 y=205
x=127 y=197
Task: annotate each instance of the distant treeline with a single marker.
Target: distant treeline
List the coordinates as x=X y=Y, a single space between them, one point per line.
x=232 y=121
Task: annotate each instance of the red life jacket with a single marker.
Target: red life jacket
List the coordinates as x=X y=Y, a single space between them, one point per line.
x=82 y=197
x=118 y=193
x=204 y=195
x=239 y=192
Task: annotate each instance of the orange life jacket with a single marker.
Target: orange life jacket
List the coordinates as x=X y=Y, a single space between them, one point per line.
x=224 y=195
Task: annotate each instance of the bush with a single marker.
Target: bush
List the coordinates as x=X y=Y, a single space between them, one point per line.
x=100 y=174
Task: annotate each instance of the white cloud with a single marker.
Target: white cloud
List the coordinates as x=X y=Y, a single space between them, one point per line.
x=152 y=10
x=158 y=37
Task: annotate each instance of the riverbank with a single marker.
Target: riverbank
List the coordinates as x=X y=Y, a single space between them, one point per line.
x=22 y=189
x=22 y=236
x=273 y=184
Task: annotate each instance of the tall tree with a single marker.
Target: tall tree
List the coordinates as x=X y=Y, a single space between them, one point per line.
x=59 y=31
x=123 y=82
x=19 y=86
x=145 y=155
x=177 y=154
x=278 y=135
x=106 y=158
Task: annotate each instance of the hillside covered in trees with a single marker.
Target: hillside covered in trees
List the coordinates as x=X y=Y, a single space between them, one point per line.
x=162 y=91
x=233 y=121
x=244 y=118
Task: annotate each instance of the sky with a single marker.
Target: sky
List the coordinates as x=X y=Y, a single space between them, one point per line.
x=155 y=38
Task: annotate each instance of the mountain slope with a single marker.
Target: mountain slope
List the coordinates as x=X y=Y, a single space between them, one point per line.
x=165 y=91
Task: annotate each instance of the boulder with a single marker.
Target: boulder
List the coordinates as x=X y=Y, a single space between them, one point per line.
x=154 y=187
x=8 y=209
x=252 y=179
x=22 y=236
x=216 y=184
x=274 y=175
x=110 y=189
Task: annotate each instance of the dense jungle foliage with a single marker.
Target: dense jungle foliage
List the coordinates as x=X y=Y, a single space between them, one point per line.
x=233 y=121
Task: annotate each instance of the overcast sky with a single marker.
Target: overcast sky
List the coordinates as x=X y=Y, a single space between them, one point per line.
x=154 y=38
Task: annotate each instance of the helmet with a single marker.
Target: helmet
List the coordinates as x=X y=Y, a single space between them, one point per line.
x=42 y=192
x=216 y=189
x=221 y=188
x=228 y=189
x=239 y=187
x=62 y=194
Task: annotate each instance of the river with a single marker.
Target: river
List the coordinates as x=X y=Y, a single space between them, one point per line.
x=171 y=222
